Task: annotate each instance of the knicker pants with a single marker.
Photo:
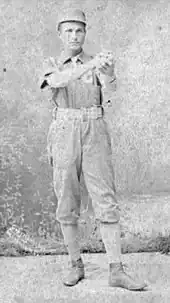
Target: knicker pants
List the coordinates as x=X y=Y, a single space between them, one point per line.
x=82 y=145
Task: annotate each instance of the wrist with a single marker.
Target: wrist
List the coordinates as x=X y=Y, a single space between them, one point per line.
x=111 y=78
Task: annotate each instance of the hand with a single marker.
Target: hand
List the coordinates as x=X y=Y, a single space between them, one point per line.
x=104 y=63
x=107 y=67
x=108 y=55
x=98 y=61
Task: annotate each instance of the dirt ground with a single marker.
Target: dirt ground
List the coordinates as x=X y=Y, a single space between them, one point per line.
x=39 y=279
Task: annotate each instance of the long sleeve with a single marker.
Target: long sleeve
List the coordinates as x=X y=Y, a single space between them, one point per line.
x=108 y=83
x=49 y=67
x=109 y=86
x=61 y=78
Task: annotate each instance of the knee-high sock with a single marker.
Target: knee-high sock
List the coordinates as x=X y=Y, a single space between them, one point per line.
x=110 y=233
x=71 y=239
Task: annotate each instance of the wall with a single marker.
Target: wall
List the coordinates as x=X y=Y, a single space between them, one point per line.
x=138 y=34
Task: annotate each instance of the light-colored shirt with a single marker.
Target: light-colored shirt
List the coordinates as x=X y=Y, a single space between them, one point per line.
x=86 y=91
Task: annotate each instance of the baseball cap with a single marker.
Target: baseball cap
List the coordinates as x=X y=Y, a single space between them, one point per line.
x=71 y=15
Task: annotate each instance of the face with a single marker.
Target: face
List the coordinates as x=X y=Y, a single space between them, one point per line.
x=72 y=35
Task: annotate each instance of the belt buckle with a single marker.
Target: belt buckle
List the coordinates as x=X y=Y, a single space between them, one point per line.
x=99 y=110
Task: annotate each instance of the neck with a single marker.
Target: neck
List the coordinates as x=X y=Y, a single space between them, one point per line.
x=72 y=53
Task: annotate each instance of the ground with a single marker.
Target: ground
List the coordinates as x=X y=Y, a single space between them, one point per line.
x=39 y=280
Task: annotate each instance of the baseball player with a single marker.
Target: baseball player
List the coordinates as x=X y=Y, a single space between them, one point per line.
x=79 y=143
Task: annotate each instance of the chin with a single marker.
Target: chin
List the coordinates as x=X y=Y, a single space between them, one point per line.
x=75 y=47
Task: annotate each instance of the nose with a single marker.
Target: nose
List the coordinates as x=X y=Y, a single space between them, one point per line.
x=74 y=36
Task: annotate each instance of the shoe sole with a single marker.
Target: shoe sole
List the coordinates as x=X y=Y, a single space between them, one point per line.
x=70 y=285
x=131 y=289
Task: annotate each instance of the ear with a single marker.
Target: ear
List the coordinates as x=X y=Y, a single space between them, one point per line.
x=59 y=34
x=58 y=30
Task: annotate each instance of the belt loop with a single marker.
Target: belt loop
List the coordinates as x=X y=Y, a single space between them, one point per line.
x=102 y=110
x=54 y=113
x=84 y=114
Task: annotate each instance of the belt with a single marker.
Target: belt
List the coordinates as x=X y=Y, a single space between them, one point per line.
x=84 y=113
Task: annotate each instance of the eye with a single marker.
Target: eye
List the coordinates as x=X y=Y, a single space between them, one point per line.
x=79 y=31
x=69 y=30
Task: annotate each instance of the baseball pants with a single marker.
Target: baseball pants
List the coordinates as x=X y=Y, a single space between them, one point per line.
x=79 y=141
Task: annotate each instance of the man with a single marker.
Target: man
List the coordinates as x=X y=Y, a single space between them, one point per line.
x=79 y=142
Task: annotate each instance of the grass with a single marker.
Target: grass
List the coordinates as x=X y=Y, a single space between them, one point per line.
x=145 y=227
x=160 y=243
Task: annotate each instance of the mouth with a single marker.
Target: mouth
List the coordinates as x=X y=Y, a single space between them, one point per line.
x=74 y=43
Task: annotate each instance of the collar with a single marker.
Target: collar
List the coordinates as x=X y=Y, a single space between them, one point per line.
x=82 y=57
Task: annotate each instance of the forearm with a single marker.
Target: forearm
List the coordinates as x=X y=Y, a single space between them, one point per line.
x=110 y=83
x=62 y=78
x=109 y=86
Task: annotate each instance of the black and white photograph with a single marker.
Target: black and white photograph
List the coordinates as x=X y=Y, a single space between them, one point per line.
x=84 y=151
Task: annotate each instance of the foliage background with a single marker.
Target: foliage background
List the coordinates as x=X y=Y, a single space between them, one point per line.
x=138 y=34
